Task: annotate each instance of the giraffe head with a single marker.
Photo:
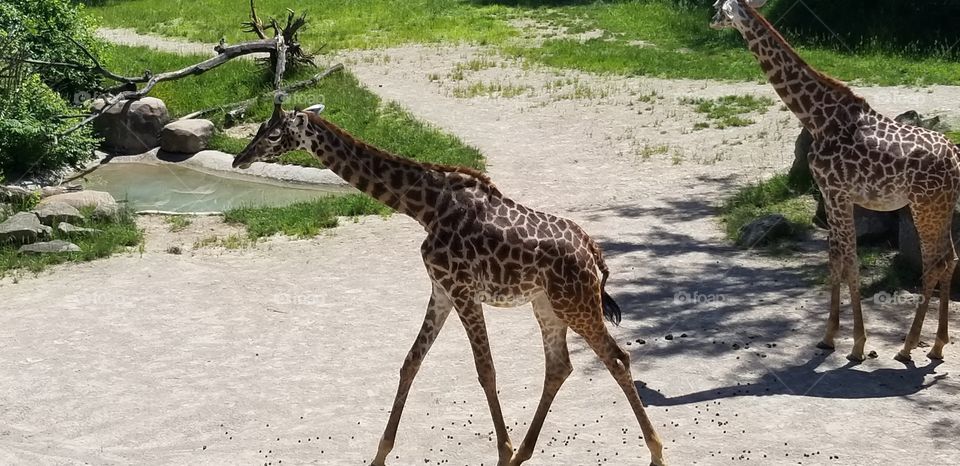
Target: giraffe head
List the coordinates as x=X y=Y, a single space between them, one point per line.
x=731 y=12
x=277 y=136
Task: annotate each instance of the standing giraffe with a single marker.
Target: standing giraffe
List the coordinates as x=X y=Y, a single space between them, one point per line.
x=481 y=247
x=860 y=157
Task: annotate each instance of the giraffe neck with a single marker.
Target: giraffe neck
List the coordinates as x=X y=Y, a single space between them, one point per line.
x=820 y=102
x=404 y=185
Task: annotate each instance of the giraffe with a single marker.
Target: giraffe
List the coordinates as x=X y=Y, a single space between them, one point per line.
x=860 y=157
x=481 y=247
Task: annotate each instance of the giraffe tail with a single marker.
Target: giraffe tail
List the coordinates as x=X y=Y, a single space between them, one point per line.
x=611 y=310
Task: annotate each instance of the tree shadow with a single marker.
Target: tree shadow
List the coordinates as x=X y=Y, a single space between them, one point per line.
x=805 y=381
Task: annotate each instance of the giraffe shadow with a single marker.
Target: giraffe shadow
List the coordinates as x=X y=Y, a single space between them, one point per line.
x=804 y=380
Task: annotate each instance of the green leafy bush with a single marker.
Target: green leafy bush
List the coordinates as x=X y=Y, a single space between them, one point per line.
x=28 y=129
x=41 y=30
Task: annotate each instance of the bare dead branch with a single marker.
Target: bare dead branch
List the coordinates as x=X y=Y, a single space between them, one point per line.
x=244 y=105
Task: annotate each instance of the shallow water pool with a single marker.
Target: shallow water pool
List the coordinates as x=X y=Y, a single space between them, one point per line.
x=178 y=189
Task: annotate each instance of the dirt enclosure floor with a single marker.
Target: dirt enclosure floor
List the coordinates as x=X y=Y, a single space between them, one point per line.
x=288 y=352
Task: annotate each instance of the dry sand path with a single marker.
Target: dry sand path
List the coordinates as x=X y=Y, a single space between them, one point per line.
x=289 y=351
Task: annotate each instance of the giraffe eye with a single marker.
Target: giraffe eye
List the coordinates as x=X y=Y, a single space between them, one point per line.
x=274 y=136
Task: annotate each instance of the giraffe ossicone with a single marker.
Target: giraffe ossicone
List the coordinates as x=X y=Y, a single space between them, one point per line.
x=481 y=248
x=861 y=157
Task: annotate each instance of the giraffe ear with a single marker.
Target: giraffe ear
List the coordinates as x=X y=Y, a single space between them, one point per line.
x=315 y=109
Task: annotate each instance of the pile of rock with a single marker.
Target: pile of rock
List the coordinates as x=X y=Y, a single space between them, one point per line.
x=33 y=230
x=137 y=126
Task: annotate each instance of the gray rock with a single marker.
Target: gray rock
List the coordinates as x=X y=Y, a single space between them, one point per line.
x=52 y=212
x=909 y=241
x=105 y=206
x=22 y=227
x=71 y=230
x=764 y=230
x=131 y=126
x=50 y=247
x=186 y=136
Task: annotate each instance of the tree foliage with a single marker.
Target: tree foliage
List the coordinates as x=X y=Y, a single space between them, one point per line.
x=42 y=30
x=29 y=125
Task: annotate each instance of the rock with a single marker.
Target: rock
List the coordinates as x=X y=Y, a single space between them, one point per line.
x=131 y=126
x=105 y=206
x=71 y=230
x=52 y=212
x=799 y=175
x=909 y=245
x=50 y=247
x=764 y=230
x=22 y=227
x=186 y=136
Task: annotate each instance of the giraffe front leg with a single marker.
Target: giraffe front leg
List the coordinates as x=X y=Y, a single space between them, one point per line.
x=471 y=315
x=437 y=311
x=843 y=268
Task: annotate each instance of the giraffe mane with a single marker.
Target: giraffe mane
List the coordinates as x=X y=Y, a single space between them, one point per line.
x=835 y=83
x=352 y=140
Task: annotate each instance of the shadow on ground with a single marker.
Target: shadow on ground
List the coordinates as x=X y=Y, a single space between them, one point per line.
x=844 y=382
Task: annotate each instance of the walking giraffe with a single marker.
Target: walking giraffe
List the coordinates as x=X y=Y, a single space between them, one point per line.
x=481 y=247
x=860 y=157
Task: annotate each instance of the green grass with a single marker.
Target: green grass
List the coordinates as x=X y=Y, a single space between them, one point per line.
x=954 y=136
x=177 y=223
x=115 y=236
x=727 y=111
x=683 y=44
x=303 y=219
x=337 y=24
x=348 y=104
x=768 y=197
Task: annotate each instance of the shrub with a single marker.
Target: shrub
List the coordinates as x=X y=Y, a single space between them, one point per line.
x=28 y=129
x=42 y=29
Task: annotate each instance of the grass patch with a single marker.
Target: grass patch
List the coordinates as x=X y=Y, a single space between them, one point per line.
x=490 y=89
x=337 y=24
x=226 y=242
x=681 y=43
x=303 y=219
x=349 y=105
x=954 y=136
x=115 y=236
x=177 y=223
x=884 y=270
x=773 y=196
x=727 y=111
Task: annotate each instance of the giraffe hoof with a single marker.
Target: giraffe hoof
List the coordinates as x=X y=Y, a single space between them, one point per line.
x=853 y=357
x=825 y=346
x=903 y=357
x=935 y=356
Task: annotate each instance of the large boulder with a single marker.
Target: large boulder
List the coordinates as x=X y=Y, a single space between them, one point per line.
x=50 y=247
x=105 y=206
x=186 y=136
x=131 y=126
x=53 y=212
x=22 y=227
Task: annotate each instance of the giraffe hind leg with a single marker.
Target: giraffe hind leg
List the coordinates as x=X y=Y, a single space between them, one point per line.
x=558 y=368
x=617 y=362
x=939 y=260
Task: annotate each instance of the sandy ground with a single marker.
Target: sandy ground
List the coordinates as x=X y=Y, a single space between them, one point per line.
x=288 y=352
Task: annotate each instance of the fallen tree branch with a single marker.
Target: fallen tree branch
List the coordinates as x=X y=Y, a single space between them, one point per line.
x=244 y=105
